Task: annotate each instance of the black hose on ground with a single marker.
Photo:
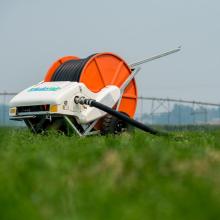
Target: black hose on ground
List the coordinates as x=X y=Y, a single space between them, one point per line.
x=119 y=115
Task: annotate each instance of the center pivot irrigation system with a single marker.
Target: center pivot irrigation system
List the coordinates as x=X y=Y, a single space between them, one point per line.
x=97 y=94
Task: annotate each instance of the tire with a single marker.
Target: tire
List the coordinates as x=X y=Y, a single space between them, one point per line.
x=113 y=125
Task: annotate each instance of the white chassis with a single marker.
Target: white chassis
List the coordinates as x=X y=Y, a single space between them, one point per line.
x=59 y=97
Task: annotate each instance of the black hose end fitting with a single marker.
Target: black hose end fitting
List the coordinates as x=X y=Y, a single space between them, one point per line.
x=83 y=101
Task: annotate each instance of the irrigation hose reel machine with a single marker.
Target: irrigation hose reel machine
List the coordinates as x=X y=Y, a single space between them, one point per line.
x=94 y=95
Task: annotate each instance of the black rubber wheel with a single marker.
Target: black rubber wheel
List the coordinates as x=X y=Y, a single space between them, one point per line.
x=113 y=125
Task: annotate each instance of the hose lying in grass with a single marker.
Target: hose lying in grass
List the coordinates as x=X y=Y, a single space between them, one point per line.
x=119 y=115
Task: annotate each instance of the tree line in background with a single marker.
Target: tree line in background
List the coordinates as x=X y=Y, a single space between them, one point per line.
x=183 y=115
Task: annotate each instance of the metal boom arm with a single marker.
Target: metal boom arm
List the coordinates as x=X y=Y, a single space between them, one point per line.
x=155 y=57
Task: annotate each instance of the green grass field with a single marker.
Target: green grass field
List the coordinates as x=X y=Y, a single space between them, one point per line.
x=133 y=176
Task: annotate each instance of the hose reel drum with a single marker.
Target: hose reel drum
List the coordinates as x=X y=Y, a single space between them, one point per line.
x=96 y=72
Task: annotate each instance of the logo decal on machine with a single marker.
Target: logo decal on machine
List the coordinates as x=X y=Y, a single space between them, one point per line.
x=44 y=89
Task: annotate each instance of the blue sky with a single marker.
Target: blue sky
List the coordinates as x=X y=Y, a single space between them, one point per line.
x=35 y=33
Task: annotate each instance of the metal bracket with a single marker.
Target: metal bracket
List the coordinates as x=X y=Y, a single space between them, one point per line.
x=129 y=79
x=126 y=83
x=88 y=130
x=73 y=126
x=30 y=125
